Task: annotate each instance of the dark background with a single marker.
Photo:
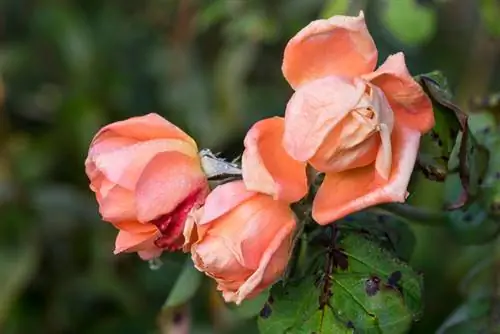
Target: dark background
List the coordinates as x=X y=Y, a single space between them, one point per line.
x=212 y=67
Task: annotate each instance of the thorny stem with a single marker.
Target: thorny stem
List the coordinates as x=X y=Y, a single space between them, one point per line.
x=326 y=292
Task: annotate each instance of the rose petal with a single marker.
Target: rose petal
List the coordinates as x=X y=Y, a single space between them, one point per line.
x=135 y=227
x=349 y=145
x=212 y=255
x=340 y=45
x=125 y=165
x=116 y=204
x=314 y=110
x=346 y=192
x=411 y=106
x=223 y=199
x=134 y=242
x=272 y=264
x=249 y=226
x=167 y=180
x=267 y=168
x=141 y=128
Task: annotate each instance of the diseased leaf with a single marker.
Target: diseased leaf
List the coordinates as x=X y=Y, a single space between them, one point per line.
x=392 y=233
x=292 y=306
x=437 y=145
x=451 y=146
x=365 y=256
x=359 y=288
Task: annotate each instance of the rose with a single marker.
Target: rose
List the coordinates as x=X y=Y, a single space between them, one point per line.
x=243 y=240
x=361 y=128
x=147 y=178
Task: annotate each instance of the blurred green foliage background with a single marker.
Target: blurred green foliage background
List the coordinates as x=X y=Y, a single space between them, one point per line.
x=212 y=67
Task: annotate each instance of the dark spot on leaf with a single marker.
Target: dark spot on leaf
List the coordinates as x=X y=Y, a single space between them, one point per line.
x=340 y=259
x=266 y=311
x=467 y=218
x=372 y=286
x=440 y=142
x=270 y=300
x=350 y=324
x=177 y=317
x=394 y=278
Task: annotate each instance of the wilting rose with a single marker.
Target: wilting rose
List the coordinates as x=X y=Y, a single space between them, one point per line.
x=148 y=179
x=360 y=127
x=244 y=240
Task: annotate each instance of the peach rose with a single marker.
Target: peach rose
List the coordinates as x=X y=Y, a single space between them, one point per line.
x=147 y=178
x=360 y=127
x=244 y=240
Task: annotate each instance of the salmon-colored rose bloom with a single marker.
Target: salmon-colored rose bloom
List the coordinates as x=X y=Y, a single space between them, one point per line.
x=244 y=240
x=358 y=125
x=148 y=179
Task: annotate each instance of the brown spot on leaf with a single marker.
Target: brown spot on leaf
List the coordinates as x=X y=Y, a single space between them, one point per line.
x=372 y=286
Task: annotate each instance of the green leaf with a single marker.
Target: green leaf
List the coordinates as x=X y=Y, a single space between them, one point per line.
x=365 y=256
x=360 y=287
x=451 y=146
x=392 y=233
x=186 y=286
x=294 y=309
x=408 y=21
x=437 y=145
x=249 y=307
x=471 y=224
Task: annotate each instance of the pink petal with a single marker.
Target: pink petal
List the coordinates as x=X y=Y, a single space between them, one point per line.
x=272 y=265
x=124 y=165
x=411 y=106
x=314 y=110
x=340 y=45
x=134 y=242
x=223 y=199
x=117 y=204
x=141 y=128
x=266 y=166
x=168 y=179
x=347 y=192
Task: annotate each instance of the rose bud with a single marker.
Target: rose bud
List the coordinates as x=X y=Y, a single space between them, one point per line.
x=244 y=240
x=147 y=178
x=359 y=125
